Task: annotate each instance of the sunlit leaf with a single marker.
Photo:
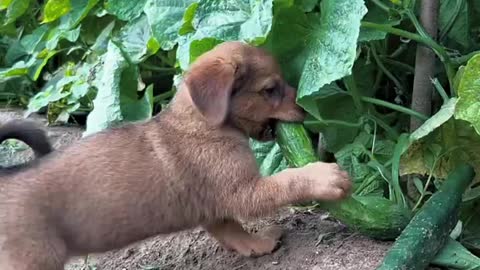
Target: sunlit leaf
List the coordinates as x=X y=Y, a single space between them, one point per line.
x=57 y=34
x=117 y=100
x=442 y=116
x=247 y=20
x=187 y=26
x=55 y=9
x=166 y=19
x=79 y=10
x=468 y=106
x=125 y=10
x=134 y=39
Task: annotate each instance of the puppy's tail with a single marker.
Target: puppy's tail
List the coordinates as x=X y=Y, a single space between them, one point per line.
x=29 y=133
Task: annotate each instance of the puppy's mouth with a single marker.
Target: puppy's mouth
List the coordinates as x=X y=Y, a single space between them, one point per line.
x=267 y=132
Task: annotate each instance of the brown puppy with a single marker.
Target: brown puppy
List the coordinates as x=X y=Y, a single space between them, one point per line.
x=191 y=165
x=31 y=134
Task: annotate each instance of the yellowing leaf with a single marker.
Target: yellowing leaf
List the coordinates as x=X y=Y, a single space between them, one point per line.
x=468 y=106
x=55 y=9
x=4 y=4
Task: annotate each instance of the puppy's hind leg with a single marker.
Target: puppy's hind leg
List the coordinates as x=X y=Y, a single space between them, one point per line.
x=32 y=253
x=230 y=234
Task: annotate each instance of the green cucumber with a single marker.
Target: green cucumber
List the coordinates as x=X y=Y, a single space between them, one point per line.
x=375 y=217
x=430 y=228
x=455 y=256
x=296 y=146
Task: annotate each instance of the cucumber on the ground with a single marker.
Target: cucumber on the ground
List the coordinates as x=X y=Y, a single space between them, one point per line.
x=430 y=228
x=375 y=217
x=455 y=256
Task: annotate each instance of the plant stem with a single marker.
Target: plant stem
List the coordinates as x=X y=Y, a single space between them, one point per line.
x=440 y=90
x=163 y=96
x=439 y=50
x=334 y=123
x=424 y=61
x=399 y=64
x=353 y=91
x=424 y=190
x=158 y=69
x=458 y=61
x=395 y=107
x=430 y=7
x=381 y=5
x=385 y=70
x=390 y=131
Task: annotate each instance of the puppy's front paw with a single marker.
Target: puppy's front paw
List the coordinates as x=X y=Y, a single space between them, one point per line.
x=329 y=182
x=254 y=245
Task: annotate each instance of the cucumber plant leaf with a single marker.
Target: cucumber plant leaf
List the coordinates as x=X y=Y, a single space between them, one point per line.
x=468 y=106
x=269 y=157
x=55 y=9
x=125 y=10
x=117 y=90
x=443 y=115
x=15 y=9
x=454 y=24
x=166 y=18
x=226 y=20
x=134 y=40
x=331 y=48
x=377 y=15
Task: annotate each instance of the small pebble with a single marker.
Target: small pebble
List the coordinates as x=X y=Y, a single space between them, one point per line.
x=275 y=263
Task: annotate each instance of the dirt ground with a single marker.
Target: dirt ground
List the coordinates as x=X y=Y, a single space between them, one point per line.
x=312 y=240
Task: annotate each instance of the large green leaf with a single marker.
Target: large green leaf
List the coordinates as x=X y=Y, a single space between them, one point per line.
x=217 y=21
x=4 y=4
x=247 y=20
x=134 y=39
x=126 y=10
x=166 y=19
x=32 y=67
x=59 y=33
x=15 y=9
x=443 y=115
x=32 y=41
x=468 y=106
x=269 y=157
x=286 y=41
x=28 y=45
x=80 y=9
x=307 y=5
x=55 y=9
x=332 y=103
x=454 y=23
x=377 y=15
x=439 y=152
x=331 y=48
x=117 y=99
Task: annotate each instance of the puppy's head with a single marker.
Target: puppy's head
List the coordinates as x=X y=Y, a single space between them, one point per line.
x=241 y=85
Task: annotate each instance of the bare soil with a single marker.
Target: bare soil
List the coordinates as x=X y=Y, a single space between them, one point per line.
x=311 y=241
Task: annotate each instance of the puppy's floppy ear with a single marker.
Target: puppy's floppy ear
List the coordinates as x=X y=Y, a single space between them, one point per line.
x=210 y=86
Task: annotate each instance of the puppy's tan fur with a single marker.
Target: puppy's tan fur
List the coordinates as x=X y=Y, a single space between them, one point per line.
x=189 y=166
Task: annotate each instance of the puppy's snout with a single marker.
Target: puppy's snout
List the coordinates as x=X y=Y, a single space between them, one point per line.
x=289 y=109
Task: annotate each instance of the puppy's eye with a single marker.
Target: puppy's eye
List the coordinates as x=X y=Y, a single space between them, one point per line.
x=270 y=90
